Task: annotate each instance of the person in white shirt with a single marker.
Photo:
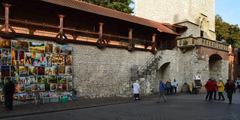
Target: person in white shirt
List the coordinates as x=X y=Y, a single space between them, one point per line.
x=174 y=86
x=136 y=90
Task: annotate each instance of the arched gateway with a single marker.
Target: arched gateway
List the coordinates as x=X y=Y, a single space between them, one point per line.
x=215 y=66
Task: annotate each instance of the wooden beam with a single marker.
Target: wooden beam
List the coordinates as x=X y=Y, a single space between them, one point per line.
x=154 y=43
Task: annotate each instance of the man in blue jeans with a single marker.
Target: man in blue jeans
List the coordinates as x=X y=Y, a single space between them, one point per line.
x=162 y=91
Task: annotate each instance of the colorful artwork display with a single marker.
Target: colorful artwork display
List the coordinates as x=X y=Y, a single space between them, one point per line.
x=36 y=65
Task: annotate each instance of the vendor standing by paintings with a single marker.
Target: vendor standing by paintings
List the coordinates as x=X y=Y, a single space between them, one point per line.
x=8 y=89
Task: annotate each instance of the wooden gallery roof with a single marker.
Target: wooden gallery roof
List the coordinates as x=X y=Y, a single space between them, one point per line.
x=84 y=19
x=83 y=6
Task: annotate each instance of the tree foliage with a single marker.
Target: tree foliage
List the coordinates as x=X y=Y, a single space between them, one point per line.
x=120 y=5
x=228 y=32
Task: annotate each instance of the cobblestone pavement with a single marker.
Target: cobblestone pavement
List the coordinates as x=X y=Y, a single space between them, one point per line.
x=180 y=107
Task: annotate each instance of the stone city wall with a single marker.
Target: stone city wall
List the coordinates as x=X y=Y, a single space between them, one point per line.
x=104 y=73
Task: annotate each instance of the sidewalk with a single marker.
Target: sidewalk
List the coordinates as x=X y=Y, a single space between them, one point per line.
x=30 y=109
x=81 y=103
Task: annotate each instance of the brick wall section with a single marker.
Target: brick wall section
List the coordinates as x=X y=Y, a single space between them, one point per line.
x=203 y=51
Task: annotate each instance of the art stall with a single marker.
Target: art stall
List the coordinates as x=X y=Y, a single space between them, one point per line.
x=41 y=70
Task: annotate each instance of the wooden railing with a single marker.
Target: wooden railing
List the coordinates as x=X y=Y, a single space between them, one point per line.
x=191 y=42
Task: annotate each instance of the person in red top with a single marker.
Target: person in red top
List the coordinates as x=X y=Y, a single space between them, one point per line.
x=210 y=88
x=229 y=88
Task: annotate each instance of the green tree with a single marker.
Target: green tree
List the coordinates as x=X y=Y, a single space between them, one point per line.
x=120 y=5
x=228 y=32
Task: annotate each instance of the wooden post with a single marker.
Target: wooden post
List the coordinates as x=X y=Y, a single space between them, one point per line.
x=130 y=38
x=100 y=30
x=154 y=44
x=100 y=42
x=61 y=23
x=6 y=25
x=61 y=34
x=7 y=6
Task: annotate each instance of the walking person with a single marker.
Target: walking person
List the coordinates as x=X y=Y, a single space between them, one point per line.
x=229 y=88
x=209 y=87
x=220 y=86
x=174 y=86
x=8 y=90
x=136 y=90
x=162 y=92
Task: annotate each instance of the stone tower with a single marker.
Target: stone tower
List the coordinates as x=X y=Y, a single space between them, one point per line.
x=200 y=13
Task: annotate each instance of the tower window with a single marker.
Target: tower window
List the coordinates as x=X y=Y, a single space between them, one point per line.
x=201 y=34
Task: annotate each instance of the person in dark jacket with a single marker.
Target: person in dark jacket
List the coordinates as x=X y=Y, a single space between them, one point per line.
x=9 y=90
x=229 y=88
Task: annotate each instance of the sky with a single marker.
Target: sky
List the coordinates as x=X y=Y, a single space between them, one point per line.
x=229 y=10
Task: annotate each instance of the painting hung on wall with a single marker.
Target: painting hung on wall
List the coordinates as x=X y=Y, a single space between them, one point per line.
x=5 y=71
x=22 y=80
x=34 y=87
x=32 y=79
x=5 y=43
x=28 y=59
x=61 y=87
x=61 y=69
x=36 y=47
x=27 y=87
x=38 y=59
x=62 y=80
x=41 y=87
x=41 y=79
x=20 y=45
x=21 y=57
x=69 y=60
x=48 y=61
x=49 y=48
x=57 y=59
x=68 y=70
x=23 y=70
x=14 y=57
x=5 y=57
x=52 y=79
x=57 y=49
x=14 y=71
x=40 y=70
x=53 y=87
x=32 y=70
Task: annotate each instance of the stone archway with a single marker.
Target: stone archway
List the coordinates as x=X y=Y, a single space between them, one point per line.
x=164 y=72
x=215 y=66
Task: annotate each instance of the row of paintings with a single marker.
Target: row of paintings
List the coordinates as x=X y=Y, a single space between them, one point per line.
x=31 y=70
x=41 y=83
x=18 y=57
x=40 y=79
x=42 y=87
x=41 y=47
